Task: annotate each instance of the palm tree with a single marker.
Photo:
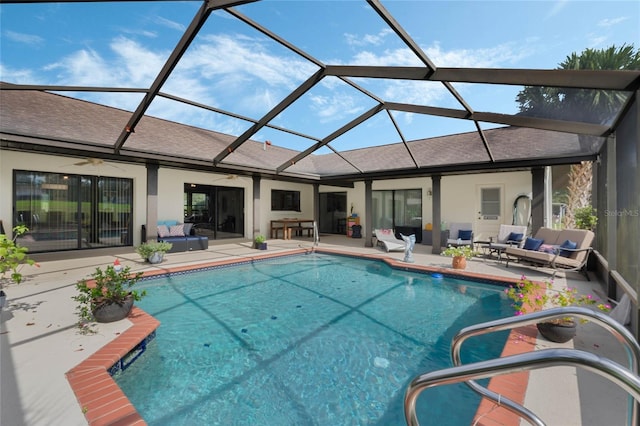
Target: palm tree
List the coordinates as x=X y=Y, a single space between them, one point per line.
x=591 y=106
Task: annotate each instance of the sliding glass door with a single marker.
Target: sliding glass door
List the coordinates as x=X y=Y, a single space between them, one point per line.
x=66 y=212
x=398 y=209
x=217 y=212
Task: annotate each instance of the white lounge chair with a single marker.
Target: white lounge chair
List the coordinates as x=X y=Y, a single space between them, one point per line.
x=388 y=239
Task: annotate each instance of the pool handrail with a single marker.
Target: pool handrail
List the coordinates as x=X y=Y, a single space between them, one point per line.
x=618 y=330
x=517 y=363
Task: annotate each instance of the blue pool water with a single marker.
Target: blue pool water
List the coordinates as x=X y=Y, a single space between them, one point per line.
x=306 y=340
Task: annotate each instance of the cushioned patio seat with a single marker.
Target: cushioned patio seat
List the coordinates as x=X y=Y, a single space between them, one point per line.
x=561 y=257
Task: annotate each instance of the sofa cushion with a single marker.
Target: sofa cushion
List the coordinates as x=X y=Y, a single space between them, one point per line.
x=176 y=231
x=187 y=228
x=548 y=248
x=537 y=256
x=515 y=236
x=465 y=234
x=568 y=244
x=549 y=236
x=163 y=231
x=169 y=223
x=532 y=244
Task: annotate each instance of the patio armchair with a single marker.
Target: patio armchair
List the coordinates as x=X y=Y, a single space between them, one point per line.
x=460 y=234
x=508 y=236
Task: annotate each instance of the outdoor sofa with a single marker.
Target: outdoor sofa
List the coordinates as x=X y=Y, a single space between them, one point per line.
x=559 y=249
x=181 y=235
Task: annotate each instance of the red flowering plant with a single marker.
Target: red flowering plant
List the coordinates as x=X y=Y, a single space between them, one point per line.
x=529 y=296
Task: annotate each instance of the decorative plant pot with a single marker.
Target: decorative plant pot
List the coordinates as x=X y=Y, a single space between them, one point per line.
x=260 y=246
x=557 y=332
x=110 y=312
x=3 y=299
x=156 y=257
x=459 y=262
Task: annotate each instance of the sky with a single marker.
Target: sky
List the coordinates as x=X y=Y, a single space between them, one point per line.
x=233 y=67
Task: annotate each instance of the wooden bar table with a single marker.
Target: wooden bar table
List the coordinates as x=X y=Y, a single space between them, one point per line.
x=287 y=225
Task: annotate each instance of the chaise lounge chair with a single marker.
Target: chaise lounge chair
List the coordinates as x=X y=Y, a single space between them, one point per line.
x=388 y=239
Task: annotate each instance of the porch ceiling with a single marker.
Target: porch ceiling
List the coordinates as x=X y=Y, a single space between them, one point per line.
x=58 y=118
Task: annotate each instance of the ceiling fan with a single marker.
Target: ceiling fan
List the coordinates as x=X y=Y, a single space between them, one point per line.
x=92 y=161
x=96 y=162
x=227 y=177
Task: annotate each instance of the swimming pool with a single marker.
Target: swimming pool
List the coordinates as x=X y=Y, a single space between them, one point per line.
x=311 y=339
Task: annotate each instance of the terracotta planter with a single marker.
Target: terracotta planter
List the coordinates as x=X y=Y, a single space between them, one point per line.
x=557 y=332
x=459 y=262
x=110 y=312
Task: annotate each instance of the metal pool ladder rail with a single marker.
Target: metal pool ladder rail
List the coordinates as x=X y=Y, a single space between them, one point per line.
x=625 y=378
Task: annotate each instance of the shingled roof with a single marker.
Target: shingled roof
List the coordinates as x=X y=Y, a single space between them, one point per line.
x=46 y=120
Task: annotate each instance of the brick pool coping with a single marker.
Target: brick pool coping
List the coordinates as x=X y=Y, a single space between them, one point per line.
x=103 y=402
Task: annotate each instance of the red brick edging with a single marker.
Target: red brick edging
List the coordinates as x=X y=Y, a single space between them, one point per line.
x=101 y=399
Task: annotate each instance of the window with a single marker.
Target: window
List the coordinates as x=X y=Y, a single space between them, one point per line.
x=285 y=200
x=490 y=203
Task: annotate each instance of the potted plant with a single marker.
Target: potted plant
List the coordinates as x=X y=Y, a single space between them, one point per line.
x=12 y=257
x=529 y=296
x=260 y=242
x=108 y=296
x=153 y=252
x=460 y=255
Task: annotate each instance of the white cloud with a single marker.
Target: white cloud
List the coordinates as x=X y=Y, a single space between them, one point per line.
x=337 y=106
x=611 y=22
x=507 y=53
x=24 y=38
x=18 y=76
x=169 y=23
x=367 y=39
x=141 y=64
x=557 y=8
x=432 y=93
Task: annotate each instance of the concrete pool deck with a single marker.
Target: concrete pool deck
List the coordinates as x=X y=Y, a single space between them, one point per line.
x=40 y=343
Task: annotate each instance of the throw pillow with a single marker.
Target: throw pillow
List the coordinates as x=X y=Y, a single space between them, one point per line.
x=176 y=231
x=532 y=244
x=163 y=231
x=187 y=228
x=464 y=234
x=568 y=244
x=547 y=248
x=515 y=237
